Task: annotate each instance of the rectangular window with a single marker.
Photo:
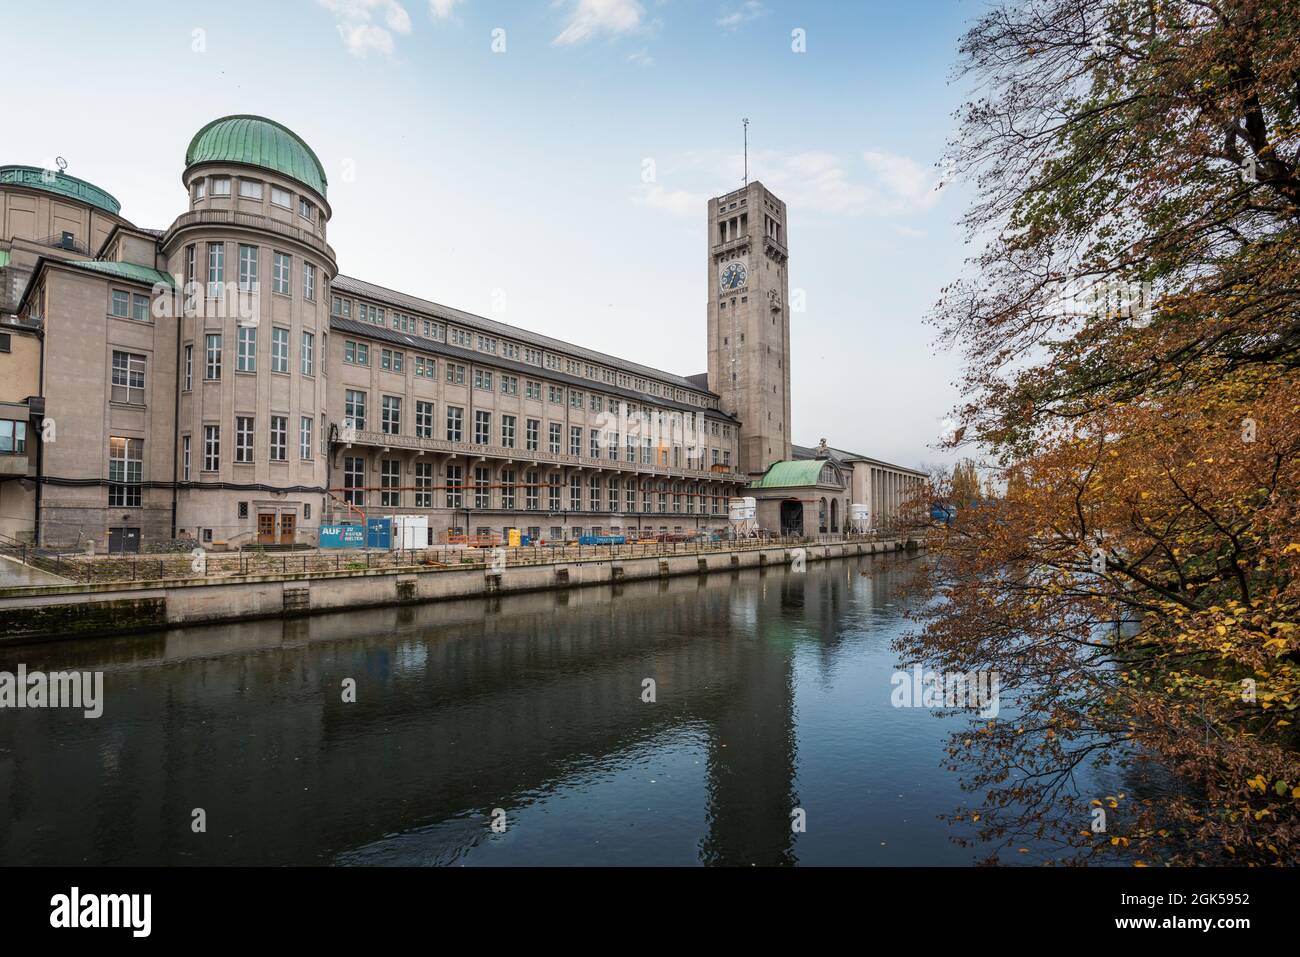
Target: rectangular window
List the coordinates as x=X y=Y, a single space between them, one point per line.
x=244 y=439
x=354 y=409
x=309 y=282
x=575 y=440
x=575 y=493
x=308 y=353
x=356 y=353
x=250 y=189
x=575 y=399
x=508 y=431
x=211 y=448
x=128 y=378
x=509 y=385
x=594 y=440
x=185 y=458
x=281 y=273
x=220 y=186
x=279 y=349
x=390 y=480
x=391 y=360
x=306 y=210
x=212 y=366
x=246 y=353
x=555 y=438
x=281 y=197
x=453 y=482
x=304 y=437
x=426 y=367
x=533 y=434
x=121 y=304
x=482 y=427
x=455 y=374
x=424 y=420
x=507 y=488
x=216 y=269
x=553 y=493
x=125 y=471
x=279 y=438
x=424 y=485
x=532 y=390
x=594 y=496
x=354 y=480
x=200 y=189
x=455 y=424
x=247 y=267
x=531 y=492
x=140 y=308
x=390 y=416
x=482 y=379
x=555 y=393
x=482 y=486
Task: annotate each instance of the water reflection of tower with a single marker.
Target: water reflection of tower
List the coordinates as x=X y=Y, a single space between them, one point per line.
x=751 y=763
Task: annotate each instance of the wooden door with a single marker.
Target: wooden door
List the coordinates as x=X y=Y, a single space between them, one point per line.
x=266 y=528
x=286 y=528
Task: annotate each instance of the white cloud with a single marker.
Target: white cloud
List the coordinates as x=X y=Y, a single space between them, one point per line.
x=902 y=181
x=442 y=9
x=678 y=202
x=641 y=58
x=355 y=23
x=815 y=181
x=750 y=10
x=590 y=18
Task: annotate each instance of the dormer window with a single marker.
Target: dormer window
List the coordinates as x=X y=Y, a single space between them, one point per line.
x=281 y=197
x=250 y=189
x=220 y=186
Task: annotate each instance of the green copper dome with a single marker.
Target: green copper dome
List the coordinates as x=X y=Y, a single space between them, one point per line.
x=257 y=141
x=61 y=184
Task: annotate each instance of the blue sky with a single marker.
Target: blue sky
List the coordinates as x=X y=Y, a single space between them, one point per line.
x=511 y=181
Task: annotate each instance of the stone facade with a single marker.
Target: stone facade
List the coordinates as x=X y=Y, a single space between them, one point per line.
x=219 y=381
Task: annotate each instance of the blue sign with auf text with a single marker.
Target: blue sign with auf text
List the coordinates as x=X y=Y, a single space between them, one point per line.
x=342 y=536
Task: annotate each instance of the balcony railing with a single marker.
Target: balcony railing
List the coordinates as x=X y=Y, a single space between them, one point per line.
x=230 y=217
x=717 y=473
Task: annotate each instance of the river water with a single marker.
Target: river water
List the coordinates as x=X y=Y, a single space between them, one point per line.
x=771 y=697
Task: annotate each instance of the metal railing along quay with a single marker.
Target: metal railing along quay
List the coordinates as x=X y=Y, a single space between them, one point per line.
x=99 y=569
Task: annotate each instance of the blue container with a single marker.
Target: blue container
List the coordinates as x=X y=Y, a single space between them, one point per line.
x=379 y=533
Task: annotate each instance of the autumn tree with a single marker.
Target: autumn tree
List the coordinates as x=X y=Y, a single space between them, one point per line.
x=1131 y=335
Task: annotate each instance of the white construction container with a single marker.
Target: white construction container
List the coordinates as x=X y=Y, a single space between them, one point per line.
x=743 y=509
x=410 y=531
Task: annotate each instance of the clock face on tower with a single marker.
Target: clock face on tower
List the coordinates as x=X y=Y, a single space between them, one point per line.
x=733 y=275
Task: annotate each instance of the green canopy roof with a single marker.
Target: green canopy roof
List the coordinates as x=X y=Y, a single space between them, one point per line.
x=791 y=474
x=128 y=271
x=61 y=184
x=257 y=141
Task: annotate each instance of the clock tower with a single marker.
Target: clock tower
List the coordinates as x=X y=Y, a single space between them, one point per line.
x=749 y=321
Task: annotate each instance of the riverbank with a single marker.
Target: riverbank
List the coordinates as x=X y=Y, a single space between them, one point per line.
x=51 y=612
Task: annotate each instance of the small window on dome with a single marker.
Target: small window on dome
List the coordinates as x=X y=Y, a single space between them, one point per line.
x=250 y=189
x=281 y=197
x=200 y=189
x=220 y=186
x=306 y=210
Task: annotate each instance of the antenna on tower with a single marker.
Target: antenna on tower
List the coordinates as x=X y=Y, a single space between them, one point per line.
x=745 y=121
